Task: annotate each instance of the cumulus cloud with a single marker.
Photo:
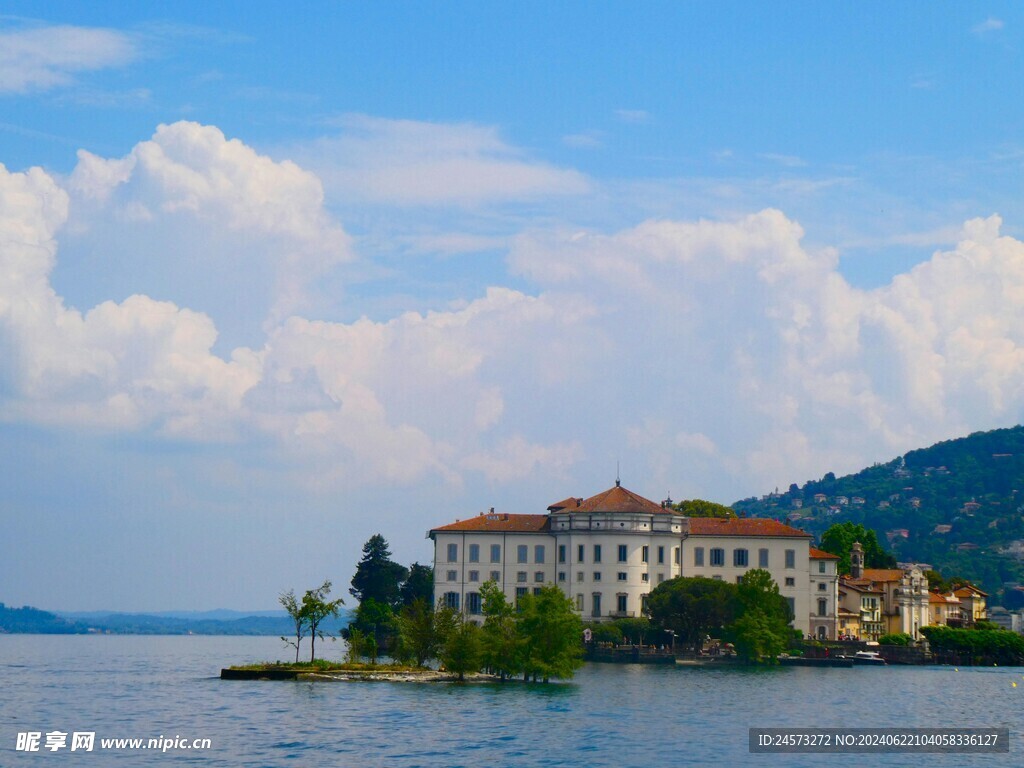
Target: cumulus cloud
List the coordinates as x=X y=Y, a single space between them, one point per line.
x=47 y=57
x=415 y=163
x=779 y=368
x=192 y=181
x=716 y=354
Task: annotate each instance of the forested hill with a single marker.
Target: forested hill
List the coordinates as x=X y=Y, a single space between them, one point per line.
x=957 y=505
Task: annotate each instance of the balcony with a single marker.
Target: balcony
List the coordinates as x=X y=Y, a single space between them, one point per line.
x=621 y=614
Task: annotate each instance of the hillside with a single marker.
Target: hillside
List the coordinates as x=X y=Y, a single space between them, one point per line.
x=35 y=621
x=956 y=505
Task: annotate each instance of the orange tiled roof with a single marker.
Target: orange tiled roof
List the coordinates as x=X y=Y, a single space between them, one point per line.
x=500 y=523
x=747 y=526
x=969 y=591
x=820 y=554
x=571 y=503
x=882 y=574
x=619 y=499
x=935 y=597
x=859 y=585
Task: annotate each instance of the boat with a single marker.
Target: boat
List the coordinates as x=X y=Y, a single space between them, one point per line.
x=868 y=657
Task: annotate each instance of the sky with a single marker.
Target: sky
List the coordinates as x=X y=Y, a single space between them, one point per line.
x=275 y=280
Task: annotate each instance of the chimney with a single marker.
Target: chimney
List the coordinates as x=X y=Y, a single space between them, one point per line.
x=857 y=560
x=492 y=510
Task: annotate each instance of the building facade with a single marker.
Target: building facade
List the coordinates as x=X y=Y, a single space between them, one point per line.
x=609 y=551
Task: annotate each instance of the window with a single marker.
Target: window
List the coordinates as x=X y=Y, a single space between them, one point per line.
x=597 y=575
x=597 y=553
x=717 y=556
x=521 y=576
x=739 y=558
x=790 y=581
x=823 y=607
x=579 y=553
x=595 y=604
x=538 y=576
x=561 y=575
x=623 y=553
x=453 y=553
x=822 y=586
x=620 y=603
x=579 y=575
x=473 y=602
x=474 y=553
x=791 y=558
x=474 y=575
x=821 y=566
x=644 y=552
x=645 y=577
x=677 y=556
x=791 y=601
x=536 y=590
x=661 y=577
x=453 y=575
x=451 y=599
x=698 y=556
x=495 y=575
x=520 y=591
x=538 y=553
x=579 y=603
x=521 y=552
x=661 y=555
x=622 y=575
x=495 y=553
x=762 y=558
x=561 y=553
x=739 y=579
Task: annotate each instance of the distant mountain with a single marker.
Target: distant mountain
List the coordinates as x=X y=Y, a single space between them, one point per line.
x=272 y=623
x=956 y=505
x=219 y=614
x=28 y=619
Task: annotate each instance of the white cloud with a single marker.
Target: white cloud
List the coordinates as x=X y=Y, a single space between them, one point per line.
x=48 y=57
x=991 y=24
x=781 y=370
x=412 y=163
x=188 y=184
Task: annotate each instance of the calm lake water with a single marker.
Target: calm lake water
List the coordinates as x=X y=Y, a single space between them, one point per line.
x=621 y=716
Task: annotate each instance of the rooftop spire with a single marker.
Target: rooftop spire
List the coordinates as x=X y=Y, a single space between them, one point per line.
x=617 y=481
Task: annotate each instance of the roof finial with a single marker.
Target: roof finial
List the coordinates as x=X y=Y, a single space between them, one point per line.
x=617 y=481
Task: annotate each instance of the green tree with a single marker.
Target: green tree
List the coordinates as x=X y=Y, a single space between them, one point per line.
x=550 y=634
x=635 y=630
x=377 y=576
x=463 y=649
x=293 y=606
x=315 y=608
x=418 y=585
x=757 y=636
x=376 y=620
x=693 y=607
x=761 y=630
x=500 y=638
x=702 y=508
x=417 y=633
x=839 y=539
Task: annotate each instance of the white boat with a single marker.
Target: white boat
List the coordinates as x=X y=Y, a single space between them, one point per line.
x=868 y=657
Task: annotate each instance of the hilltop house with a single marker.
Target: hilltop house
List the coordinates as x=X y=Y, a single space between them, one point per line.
x=607 y=553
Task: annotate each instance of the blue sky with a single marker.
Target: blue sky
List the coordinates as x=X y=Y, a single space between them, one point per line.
x=271 y=282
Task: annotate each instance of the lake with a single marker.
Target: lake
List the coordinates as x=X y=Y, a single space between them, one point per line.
x=609 y=715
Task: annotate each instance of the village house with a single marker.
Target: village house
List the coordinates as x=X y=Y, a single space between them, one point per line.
x=607 y=553
x=902 y=595
x=824 y=594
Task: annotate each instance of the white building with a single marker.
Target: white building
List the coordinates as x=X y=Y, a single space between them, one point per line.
x=609 y=551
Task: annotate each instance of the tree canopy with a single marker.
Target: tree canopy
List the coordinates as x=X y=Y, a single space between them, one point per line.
x=377 y=576
x=693 y=607
x=418 y=585
x=839 y=539
x=702 y=508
